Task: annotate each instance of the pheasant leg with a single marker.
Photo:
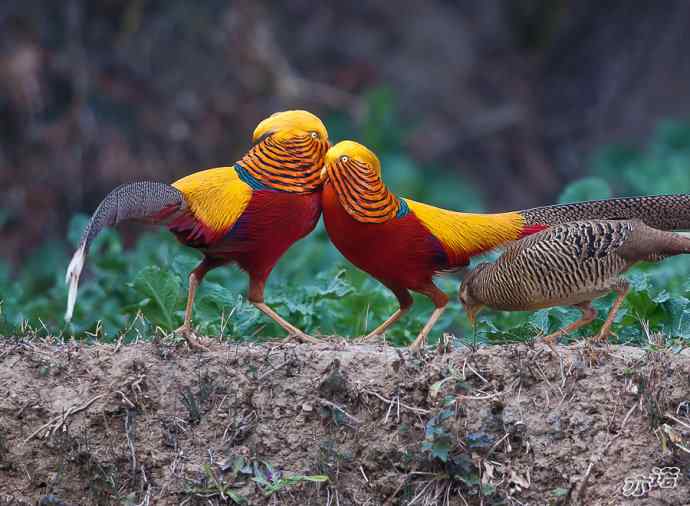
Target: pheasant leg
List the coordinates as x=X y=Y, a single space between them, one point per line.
x=256 y=297
x=588 y=316
x=405 y=302
x=186 y=329
x=421 y=338
x=385 y=325
x=293 y=331
x=622 y=290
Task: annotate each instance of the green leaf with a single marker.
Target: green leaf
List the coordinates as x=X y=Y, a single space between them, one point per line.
x=540 y=320
x=488 y=489
x=470 y=480
x=236 y=498
x=436 y=387
x=317 y=478
x=479 y=440
x=161 y=294
x=439 y=449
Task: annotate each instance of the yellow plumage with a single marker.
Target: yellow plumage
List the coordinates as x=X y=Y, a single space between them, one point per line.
x=465 y=234
x=217 y=197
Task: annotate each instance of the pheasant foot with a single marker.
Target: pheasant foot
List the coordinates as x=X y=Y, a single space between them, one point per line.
x=193 y=341
x=301 y=337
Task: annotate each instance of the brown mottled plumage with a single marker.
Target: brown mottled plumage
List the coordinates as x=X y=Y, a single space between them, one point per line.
x=568 y=265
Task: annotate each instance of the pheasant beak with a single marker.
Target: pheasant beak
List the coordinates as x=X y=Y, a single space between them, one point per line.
x=472 y=313
x=324 y=173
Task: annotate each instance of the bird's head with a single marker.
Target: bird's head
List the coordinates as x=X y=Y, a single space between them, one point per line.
x=354 y=173
x=352 y=160
x=468 y=294
x=288 y=152
x=292 y=125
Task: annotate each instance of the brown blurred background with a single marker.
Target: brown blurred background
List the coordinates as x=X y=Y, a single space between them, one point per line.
x=513 y=95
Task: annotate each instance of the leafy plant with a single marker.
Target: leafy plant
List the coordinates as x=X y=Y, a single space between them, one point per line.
x=438 y=442
x=272 y=480
x=213 y=485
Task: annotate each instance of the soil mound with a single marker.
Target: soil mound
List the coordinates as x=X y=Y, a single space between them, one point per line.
x=342 y=424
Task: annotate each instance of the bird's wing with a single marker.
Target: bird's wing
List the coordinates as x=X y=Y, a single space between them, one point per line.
x=585 y=241
x=215 y=199
x=467 y=234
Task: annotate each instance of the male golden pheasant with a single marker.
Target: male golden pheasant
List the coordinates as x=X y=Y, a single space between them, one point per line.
x=404 y=243
x=249 y=214
x=568 y=265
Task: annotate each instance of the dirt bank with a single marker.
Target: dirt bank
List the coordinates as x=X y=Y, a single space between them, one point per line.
x=340 y=425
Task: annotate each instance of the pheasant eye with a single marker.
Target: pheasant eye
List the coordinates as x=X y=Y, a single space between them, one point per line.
x=344 y=158
x=314 y=135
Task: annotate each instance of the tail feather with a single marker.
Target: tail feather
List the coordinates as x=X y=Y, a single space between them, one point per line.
x=145 y=200
x=664 y=212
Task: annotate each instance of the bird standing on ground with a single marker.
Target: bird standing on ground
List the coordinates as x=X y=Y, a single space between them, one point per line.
x=568 y=265
x=404 y=243
x=249 y=214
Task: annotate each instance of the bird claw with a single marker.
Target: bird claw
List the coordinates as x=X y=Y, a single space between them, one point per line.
x=371 y=338
x=597 y=340
x=416 y=347
x=601 y=338
x=301 y=337
x=551 y=342
x=191 y=338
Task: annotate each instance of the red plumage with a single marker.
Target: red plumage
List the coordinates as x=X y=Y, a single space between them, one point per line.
x=532 y=229
x=271 y=223
x=249 y=213
x=401 y=253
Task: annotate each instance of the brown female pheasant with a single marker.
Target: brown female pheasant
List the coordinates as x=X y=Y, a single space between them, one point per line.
x=568 y=265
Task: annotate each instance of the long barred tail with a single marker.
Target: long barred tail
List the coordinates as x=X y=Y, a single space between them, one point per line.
x=144 y=200
x=664 y=212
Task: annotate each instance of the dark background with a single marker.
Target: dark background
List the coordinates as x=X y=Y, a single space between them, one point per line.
x=513 y=96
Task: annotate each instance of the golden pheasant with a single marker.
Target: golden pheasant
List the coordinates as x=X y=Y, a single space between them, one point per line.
x=568 y=265
x=404 y=243
x=249 y=214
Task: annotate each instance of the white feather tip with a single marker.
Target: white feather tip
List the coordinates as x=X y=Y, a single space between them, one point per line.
x=72 y=280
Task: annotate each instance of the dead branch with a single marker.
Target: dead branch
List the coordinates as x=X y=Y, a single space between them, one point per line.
x=56 y=423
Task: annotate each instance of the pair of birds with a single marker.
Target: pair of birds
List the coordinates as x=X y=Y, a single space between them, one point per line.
x=252 y=212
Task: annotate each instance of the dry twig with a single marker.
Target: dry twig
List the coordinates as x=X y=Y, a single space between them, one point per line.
x=333 y=405
x=401 y=404
x=56 y=423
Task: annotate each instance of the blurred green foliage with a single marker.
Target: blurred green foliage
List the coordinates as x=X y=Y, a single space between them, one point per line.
x=130 y=293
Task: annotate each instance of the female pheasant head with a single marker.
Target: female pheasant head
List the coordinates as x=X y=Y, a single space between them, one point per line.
x=467 y=293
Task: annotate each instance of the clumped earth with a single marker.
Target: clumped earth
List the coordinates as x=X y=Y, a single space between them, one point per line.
x=341 y=424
